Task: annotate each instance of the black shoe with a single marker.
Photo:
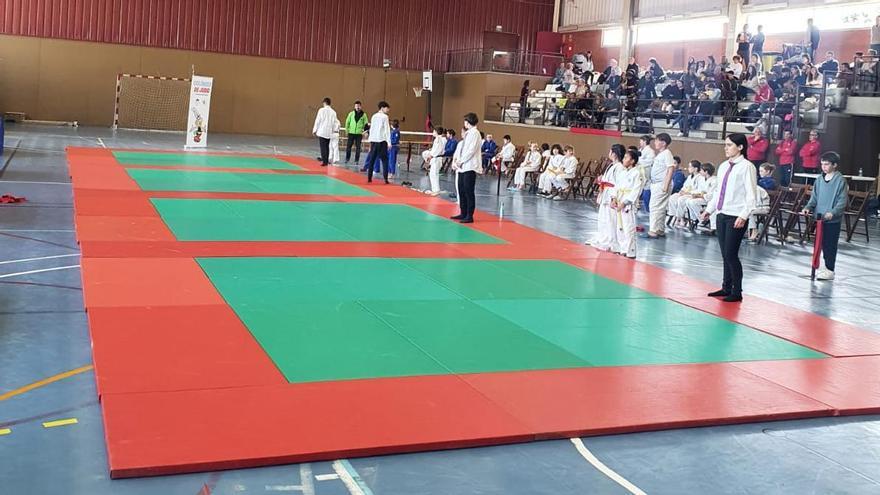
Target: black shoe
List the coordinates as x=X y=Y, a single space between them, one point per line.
x=719 y=293
x=457 y=217
x=733 y=298
x=386 y=181
x=369 y=181
x=323 y=164
x=466 y=220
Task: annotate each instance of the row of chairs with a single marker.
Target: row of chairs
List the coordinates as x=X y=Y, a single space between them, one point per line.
x=584 y=183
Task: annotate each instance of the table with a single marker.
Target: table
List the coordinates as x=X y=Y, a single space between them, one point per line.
x=859 y=182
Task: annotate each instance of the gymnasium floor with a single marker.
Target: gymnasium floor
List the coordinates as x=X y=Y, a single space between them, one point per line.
x=45 y=333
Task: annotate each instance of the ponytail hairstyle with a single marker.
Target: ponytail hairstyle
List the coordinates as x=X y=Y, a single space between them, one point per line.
x=618 y=151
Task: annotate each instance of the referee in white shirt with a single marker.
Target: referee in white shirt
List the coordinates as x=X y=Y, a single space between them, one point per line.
x=466 y=169
x=380 y=141
x=734 y=200
x=323 y=129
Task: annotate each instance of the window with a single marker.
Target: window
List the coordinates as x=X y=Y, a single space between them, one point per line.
x=827 y=18
x=664 y=32
x=612 y=37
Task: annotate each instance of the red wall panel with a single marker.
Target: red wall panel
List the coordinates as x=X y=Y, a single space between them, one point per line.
x=414 y=34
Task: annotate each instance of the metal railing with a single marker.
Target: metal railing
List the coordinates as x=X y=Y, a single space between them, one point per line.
x=645 y=116
x=865 y=76
x=516 y=62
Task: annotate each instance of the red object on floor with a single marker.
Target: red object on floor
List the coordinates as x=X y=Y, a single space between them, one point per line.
x=185 y=387
x=817 y=247
x=9 y=199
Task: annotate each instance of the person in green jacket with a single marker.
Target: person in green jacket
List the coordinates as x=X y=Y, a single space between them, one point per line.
x=827 y=203
x=355 y=125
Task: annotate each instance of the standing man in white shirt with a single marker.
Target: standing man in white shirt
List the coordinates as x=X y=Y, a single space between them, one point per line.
x=661 y=185
x=323 y=129
x=380 y=141
x=466 y=168
x=734 y=200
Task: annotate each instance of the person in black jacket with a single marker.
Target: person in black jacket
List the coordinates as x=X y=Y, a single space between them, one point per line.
x=812 y=38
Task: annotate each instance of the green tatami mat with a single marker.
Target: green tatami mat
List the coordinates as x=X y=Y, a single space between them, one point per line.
x=245 y=220
x=242 y=182
x=202 y=160
x=343 y=318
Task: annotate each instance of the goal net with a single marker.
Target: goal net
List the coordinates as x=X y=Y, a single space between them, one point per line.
x=151 y=102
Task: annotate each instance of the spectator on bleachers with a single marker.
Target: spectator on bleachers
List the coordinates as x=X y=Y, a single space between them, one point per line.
x=612 y=74
x=764 y=93
x=692 y=64
x=524 y=101
x=531 y=163
x=673 y=92
x=758 y=145
x=786 y=150
x=580 y=88
x=689 y=82
x=756 y=67
x=711 y=65
x=737 y=67
x=724 y=64
x=488 y=150
x=588 y=68
x=814 y=78
x=560 y=71
x=701 y=110
x=568 y=77
x=678 y=201
x=813 y=37
x=810 y=153
x=656 y=70
x=830 y=66
x=758 y=42
x=633 y=67
x=875 y=36
x=743 y=43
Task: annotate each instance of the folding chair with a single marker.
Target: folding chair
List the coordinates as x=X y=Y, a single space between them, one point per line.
x=856 y=212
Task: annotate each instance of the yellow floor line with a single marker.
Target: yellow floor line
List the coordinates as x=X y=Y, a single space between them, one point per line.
x=60 y=422
x=44 y=382
x=5 y=431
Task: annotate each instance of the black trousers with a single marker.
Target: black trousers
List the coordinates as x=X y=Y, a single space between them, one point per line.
x=354 y=139
x=730 y=239
x=830 y=238
x=324 y=143
x=378 y=151
x=467 y=198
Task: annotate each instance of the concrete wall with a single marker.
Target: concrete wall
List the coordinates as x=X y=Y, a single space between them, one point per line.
x=52 y=79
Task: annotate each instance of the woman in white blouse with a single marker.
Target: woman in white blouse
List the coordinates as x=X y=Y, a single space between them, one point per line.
x=734 y=200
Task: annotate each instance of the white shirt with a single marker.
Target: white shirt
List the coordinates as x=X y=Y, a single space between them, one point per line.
x=662 y=163
x=741 y=192
x=380 y=129
x=569 y=166
x=508 y=152
x=438 y=147
x=469 y=157
x=763 y=198
x=532 y=160
x=688 y=185
x=646 y=157
x=555 y=163
x=737 y=69
x=324 y=122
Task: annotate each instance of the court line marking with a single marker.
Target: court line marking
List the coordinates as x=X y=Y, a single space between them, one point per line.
x=101 y=142
x=24 y=260
x=327 y=477
x=44 y=270
x=35 y=182
x=37 y=230
x=5 y=431
x=607 y=471
x=60 y=422
x=45 y=381
x=351 y=478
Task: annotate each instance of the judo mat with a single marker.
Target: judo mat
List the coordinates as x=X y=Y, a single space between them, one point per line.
x=305 y=315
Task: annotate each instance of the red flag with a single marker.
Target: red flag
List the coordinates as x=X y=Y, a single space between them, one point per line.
x=817 y=248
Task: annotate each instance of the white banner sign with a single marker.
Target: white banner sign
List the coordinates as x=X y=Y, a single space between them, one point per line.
x=199 y=108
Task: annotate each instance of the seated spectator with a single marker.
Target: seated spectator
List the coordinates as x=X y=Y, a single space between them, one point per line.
x=700 y=111
x=531 y=163
x=488 y=151
x=830 y=66
x=692 y=64
x=568 y=77
x=612 y=74
x=507 y=154
x=656 y=70
x=679 y=176
x=765 y=177
x=560 y=71
x=764 y=93
x=737 y=67
x=451 y=143
x=678 y=201
x=814 y=77
x=633 y=67
x=673 y=92
x=756 y=68
x=711 y=65
x=701 y=196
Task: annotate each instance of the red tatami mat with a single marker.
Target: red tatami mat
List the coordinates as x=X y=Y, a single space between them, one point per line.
x=594 y=401
x=849 y=385
x=146 y=282
x=150 y=349
x=175 y=432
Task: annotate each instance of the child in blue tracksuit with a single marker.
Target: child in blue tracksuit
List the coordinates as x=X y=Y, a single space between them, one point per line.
x=827 y=203
x=395 y=147
x=451 y=143
x=488 y=151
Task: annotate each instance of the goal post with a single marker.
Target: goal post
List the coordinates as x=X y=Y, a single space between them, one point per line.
x=151 y=102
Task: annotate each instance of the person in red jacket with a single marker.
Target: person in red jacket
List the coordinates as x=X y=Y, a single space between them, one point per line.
x=786 y=150
x=758 y=144
x=764 y=93
x=810 y=153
